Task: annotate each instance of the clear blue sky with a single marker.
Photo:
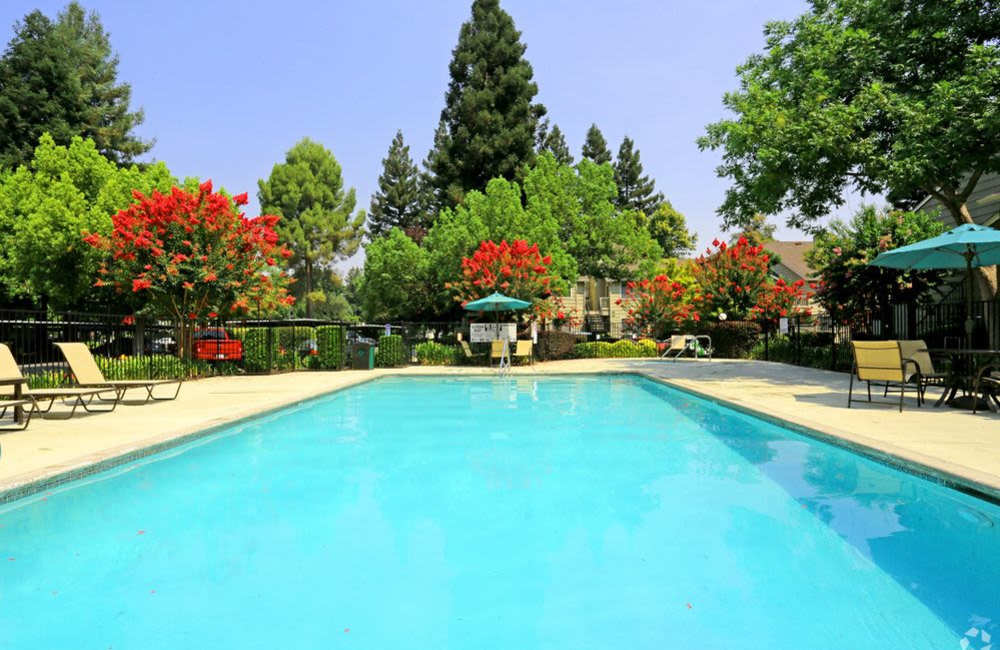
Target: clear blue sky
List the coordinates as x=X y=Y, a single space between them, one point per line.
x=229 y=86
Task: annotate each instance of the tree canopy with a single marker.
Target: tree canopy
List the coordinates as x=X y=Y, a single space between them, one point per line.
x=489 y=123
x=318 y=219
x=595 y=147
x=635 y=190
x=397 y=203
x=46 y=205
x=553 y=141
x=876 y=96
x=60 y=77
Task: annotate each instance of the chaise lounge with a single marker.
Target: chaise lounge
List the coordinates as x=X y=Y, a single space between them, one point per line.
x=79 y=396
x=89 y=375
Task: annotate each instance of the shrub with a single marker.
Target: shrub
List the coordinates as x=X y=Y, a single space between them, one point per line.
x=390 y=351
x=278 y=348
x=623 y=349
x=553 y=344
x=257 y=348
x=431 y=353
x=331 y=345
x=733 y=339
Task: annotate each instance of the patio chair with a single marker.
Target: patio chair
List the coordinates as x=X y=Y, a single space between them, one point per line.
x=927 y=375
x=89 y=375
x=469 y=354
x=496 y=351
x=693 y=343
x=79 y=396
x=882 y=362
x=524 y=351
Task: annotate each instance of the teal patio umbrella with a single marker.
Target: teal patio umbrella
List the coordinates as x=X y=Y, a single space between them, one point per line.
x=496 y=301
x=966 y=247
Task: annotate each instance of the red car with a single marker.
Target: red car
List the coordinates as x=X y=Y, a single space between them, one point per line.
x=214 y=344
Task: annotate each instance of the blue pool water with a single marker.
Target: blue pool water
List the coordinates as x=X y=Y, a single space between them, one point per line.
x=583 y=512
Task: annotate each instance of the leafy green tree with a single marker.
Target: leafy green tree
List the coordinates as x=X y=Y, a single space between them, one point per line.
x=851 y=290
x=875 y=96
x=489 y=121
x=397 y=203
x=757 y=231
x=61 y=78
x=668 y=228
x=396 y=285
x=318 y=219
x=45 y=206
x=635 y=191
x=554 y=142
x=595 y=147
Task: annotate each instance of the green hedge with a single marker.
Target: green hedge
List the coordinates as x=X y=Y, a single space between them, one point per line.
x=152 y=366
x=623 y=349
x=278 y=348
x=813 y=351
x=390 y=352
x=331 y=344
x=431 y=353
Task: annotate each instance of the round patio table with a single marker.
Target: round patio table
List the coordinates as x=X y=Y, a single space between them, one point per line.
x=969 y=362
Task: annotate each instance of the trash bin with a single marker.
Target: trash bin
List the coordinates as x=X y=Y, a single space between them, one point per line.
x=362 y=356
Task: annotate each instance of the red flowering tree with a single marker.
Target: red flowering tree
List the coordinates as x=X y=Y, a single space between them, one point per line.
x=732 y=279
x=518 y=270
x=192 y=255
x=779 y=300
x=659 y=305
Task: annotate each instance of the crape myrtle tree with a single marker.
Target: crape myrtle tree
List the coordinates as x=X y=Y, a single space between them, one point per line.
x=852 y=291
x=635 y=190
x=318 y=219
x=60 y=77
x=595 y=147
x=489 y=123
x=877 y=96
x=46 y=204
x=188 y=256
x=397 y=203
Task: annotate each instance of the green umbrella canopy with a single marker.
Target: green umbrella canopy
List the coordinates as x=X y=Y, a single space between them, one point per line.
x=959 y=248
x=497 y=302
x=965 y=247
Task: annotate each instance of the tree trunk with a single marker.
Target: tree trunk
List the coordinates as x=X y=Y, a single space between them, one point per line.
x=986 y=276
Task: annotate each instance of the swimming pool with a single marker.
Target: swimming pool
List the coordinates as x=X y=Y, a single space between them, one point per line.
x=563 y=512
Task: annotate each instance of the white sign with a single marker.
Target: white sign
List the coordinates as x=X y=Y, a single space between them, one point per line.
x=485 y=332
x=783 y=325
x=388 y=329
x=534 y=332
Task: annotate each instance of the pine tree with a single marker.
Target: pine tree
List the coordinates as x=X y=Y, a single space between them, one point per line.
x=489 y=122
x=60 y=77
x=635 y=191
x=317 y=214
x=596 y=147
x=554 y=142
x=398 y=201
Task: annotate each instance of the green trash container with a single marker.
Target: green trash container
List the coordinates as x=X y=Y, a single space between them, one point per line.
x=362 y=356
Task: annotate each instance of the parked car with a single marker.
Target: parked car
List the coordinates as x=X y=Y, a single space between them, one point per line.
x=162 y=345
x=214 y=344
x=354 y=337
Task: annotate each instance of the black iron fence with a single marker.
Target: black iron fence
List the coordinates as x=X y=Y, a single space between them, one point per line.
x=128 y=348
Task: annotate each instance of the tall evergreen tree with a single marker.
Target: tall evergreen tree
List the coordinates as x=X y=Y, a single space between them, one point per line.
x=554 y=142
x=60 y=77
x=397 y=203
x=635 y=191
x=489 y=120
x=595 y=147
x=318 y=219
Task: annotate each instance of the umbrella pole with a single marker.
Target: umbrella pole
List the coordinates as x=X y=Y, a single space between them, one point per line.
x=969 y=322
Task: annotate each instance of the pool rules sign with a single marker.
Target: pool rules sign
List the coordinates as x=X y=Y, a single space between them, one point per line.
x=486 y=332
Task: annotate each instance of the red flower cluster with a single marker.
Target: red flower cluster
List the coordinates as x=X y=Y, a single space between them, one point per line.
x=654 y=304
x=192 y=253
x=518 y=270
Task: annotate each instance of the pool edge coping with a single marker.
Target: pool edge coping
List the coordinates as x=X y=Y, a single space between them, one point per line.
x=895 y=460
x=171 y=440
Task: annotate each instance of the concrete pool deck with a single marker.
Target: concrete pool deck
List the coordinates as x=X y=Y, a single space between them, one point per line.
x=948 y=443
